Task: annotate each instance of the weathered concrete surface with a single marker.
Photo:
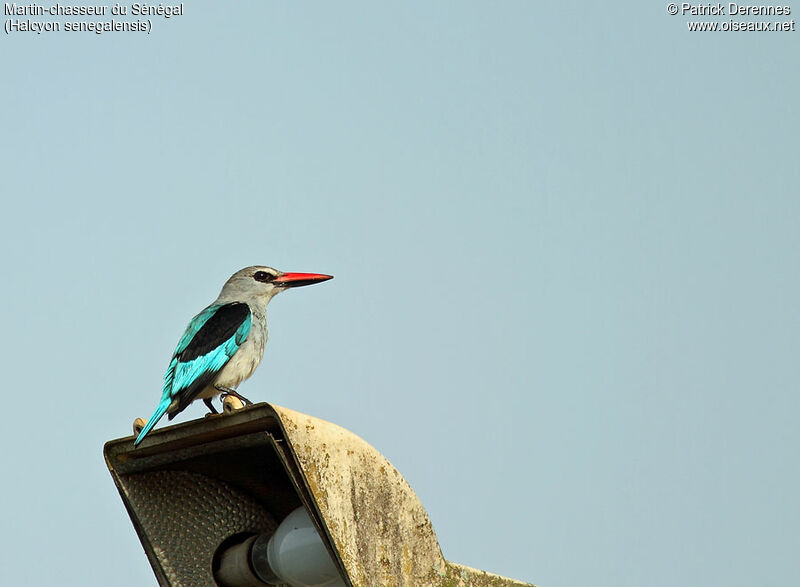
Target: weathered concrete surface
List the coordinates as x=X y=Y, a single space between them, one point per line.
x=378 y=526
x=461 y=576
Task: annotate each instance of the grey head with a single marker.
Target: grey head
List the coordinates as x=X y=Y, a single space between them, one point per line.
x=259 y=284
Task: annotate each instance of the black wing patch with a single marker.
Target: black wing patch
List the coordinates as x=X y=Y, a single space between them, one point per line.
x=217 y=329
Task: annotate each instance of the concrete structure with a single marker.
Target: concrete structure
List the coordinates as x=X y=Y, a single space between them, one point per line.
x=192 y=488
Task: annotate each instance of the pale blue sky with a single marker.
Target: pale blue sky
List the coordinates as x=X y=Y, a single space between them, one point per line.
x=565 y=241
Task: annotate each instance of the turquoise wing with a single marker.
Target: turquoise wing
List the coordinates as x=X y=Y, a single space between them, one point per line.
x=210 y=340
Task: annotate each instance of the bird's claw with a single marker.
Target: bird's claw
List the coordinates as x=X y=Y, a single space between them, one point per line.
x=228 y=392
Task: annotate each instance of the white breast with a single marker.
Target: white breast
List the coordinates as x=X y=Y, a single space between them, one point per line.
x=247 y=358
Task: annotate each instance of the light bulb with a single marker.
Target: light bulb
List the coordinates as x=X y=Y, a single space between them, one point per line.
x=297 y=555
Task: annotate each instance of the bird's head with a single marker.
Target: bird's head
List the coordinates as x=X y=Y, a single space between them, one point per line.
x=260 y=284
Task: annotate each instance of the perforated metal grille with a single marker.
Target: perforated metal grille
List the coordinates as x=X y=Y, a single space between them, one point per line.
x=186 y=516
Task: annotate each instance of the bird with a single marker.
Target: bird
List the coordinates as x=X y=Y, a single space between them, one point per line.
x=223 y=344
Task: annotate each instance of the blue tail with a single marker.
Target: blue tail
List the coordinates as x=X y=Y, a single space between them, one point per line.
x=157 y=415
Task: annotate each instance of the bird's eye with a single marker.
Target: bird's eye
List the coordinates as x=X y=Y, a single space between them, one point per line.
x=263 y=276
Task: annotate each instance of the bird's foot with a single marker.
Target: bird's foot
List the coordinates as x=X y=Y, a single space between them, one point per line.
x=210 y=406
x=225 y=391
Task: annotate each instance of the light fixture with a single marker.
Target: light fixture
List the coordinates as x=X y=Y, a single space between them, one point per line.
x=294 y=555
x=265 y=495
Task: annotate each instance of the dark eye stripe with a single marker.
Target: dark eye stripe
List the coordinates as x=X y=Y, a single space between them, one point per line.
x=263 y=276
